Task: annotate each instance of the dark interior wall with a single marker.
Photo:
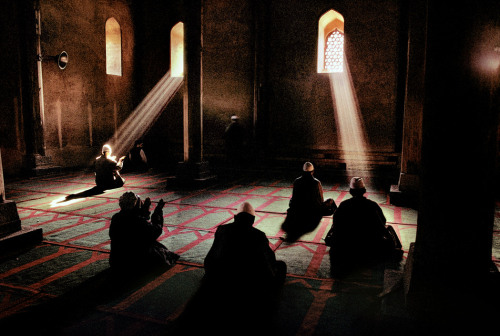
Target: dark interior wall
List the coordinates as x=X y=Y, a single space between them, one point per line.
x=82 y=99
x=265 y=53
x=246 y=45
x=80 y=95
x=227 y=63
x=228 y=68
x=154 y=22
x=301 y=107
x=11 y=124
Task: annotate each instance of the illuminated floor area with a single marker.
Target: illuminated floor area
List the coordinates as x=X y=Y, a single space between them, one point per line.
x=75 y=253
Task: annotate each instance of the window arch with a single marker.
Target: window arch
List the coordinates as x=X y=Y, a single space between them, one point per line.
x=331 y=42
x=177 y=50
x=113 y=47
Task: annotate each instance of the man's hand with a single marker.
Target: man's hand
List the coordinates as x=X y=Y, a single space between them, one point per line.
x=147 y=204
x=160 y=205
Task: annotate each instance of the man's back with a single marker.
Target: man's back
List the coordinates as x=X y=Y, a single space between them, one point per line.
x=238 y=250
x=104 y=169
x=307 y=193
x=358 y=222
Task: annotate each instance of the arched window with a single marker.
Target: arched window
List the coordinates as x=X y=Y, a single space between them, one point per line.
x=177 y=50
x=113 y=47
x=331 y=42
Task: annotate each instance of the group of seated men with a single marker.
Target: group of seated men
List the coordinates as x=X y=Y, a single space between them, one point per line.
x=359 y=227
x=241 y=256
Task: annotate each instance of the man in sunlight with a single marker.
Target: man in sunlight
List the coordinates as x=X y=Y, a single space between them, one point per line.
x=107 y=170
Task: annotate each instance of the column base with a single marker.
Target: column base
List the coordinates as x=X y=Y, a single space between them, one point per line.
x=14 y=237
x=405 y=193
x=39 y=165
x=9 y=218
x=435 y=305
x=194 y=174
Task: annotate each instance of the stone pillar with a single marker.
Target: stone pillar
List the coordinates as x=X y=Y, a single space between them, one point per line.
x=193 y=168
x=449 y=268
x=12 y=235
x=35 y=160
x=405 y=193
x=262 y=22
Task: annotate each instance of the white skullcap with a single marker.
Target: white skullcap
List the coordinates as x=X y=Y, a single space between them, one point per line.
x=128 y=200
x=235 y=117
x=308 y=166
x=246 y=207
x=106 y=148
x=357 y=183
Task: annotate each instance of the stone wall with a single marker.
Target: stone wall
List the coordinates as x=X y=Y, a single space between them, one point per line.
x=259 y=62
x=82 y=104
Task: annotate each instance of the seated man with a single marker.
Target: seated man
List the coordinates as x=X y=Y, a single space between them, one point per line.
x=134 y=245
x=307 y=206
x=235 y=142
x=242 y=277
x=358 y=236
x=241 y=253
x=136 y=160
x=107 y=170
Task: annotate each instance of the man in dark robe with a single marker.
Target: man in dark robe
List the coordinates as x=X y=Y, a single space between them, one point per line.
x=306 y=206
x=358 y=236
x=107 y=170
x=242 y=279
x=241 y=253
x=235 y=142
x=134 y=245
x=136 y=160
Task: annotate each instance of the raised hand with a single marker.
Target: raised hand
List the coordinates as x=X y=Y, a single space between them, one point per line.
x=147 y=204
x=160 y=205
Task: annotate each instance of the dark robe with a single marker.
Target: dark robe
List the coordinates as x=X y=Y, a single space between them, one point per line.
x=235 y=138
x=358 y=235
x=306 y=207
x=241 y=254
x=241 y=286
x=107 y=174
x=136 y=160
x=134 y=244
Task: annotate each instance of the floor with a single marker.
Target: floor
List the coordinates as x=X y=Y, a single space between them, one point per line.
x=75 y=250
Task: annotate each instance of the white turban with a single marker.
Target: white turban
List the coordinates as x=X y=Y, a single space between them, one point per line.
x=357 y=183
x=308 y=166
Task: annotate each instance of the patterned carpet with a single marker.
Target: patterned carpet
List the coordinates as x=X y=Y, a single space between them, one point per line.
x=74 y=256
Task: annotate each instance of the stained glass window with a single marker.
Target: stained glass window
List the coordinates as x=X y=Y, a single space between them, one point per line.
x=334 y=52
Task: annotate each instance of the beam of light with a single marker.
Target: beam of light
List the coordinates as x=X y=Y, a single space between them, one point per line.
x=350 y=128
x=145 y=114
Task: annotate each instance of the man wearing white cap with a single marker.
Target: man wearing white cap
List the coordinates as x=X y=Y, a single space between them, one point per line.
x=241 y=282
x=306 y=206
x=358 y=236
x=241 y=252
